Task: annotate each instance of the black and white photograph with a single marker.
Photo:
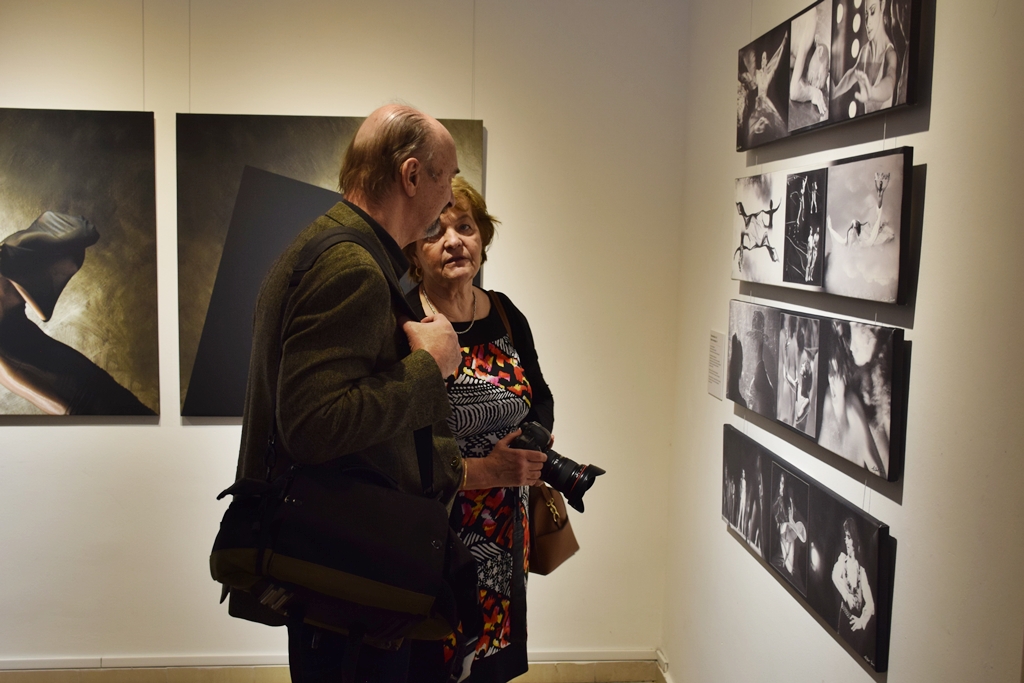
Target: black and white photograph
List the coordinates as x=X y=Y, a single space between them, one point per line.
x=798 y=373
x=804 y=252
x=835 y=555
x=753 y=357
x=809 y=58
x=762 y=90
x=870 y=56
x=844 y=566
x=78 y=290
x=213 y=152
x=759 y=228
x=787 y=528
x=857 y=361
x=744 y=492
x=864 y=226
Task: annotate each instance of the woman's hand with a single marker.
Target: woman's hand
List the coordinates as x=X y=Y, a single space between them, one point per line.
x=505 y=466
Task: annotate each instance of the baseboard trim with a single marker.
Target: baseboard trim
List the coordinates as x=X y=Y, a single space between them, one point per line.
x=591 y=655
x=281 y=659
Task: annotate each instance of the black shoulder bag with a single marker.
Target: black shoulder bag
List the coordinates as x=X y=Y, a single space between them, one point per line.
x=343 y=547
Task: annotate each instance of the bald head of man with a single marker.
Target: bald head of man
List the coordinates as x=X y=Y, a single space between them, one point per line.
x=399 y=169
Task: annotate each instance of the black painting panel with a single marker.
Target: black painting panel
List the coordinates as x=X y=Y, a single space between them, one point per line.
x=269 y=212
x=837 y=556
x=753 y=357
x=762 y=97
x=213 y=150
x=839 y=382
x=804 y=260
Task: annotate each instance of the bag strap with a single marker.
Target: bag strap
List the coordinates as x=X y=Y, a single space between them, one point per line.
x=313 y=250
x=496 y=302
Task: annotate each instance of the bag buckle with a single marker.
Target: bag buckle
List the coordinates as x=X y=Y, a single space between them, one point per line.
x=554 y=511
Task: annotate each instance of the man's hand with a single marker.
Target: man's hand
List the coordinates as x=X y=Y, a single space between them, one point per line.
x=434 y=334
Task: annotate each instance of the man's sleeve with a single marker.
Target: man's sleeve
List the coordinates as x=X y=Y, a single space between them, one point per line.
x=334 y=397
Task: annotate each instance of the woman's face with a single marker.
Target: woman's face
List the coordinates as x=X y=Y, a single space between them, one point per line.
x=849 y=544
x=454 y=254
x=872 y=17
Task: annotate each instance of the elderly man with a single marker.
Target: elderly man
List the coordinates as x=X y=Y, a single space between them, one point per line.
x=333 y=365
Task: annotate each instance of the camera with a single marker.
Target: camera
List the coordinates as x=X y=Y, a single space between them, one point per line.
x=564 y=475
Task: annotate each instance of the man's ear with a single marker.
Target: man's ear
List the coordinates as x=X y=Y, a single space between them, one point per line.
x=410 y=173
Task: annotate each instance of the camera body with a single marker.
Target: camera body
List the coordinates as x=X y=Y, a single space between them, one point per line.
x=564 y=475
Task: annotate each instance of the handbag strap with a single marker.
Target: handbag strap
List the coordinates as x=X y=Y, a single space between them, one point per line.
x=496 y=302
x=313 y=250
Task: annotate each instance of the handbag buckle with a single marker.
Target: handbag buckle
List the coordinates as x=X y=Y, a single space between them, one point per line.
x=554 y=511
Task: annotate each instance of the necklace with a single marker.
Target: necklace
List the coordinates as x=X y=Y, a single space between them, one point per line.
x=434 y=310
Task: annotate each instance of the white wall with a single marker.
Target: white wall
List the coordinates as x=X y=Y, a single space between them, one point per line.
x=958 y=612
x=105 y=529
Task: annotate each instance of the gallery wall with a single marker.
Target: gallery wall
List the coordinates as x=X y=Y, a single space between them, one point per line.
x=107 y=524
x=957 y=512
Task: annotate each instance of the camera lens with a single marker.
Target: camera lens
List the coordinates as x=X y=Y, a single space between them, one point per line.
x=564 y=475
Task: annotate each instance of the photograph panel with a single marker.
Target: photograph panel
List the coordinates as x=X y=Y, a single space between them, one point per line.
x=762 y=89
x=843 y=584
x=797 y=384
x=870 y=56
x=837 y=556
x=864 y=214
x=753 y=357
x=788 y=529
x=78 y=282
x=857 y=392
x=744 y=493
x=810 y=55
x=758 y=227
x=803 y=255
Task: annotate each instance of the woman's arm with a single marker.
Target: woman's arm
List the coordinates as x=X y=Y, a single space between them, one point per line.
x=883 y=90
x=542 y=409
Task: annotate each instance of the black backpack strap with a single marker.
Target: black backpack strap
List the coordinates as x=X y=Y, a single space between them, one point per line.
x=313 y=250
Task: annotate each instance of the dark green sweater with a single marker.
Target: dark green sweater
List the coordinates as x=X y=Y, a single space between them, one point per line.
x=342 y=386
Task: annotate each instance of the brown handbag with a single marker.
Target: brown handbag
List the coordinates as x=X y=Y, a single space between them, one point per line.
x=552 y=541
